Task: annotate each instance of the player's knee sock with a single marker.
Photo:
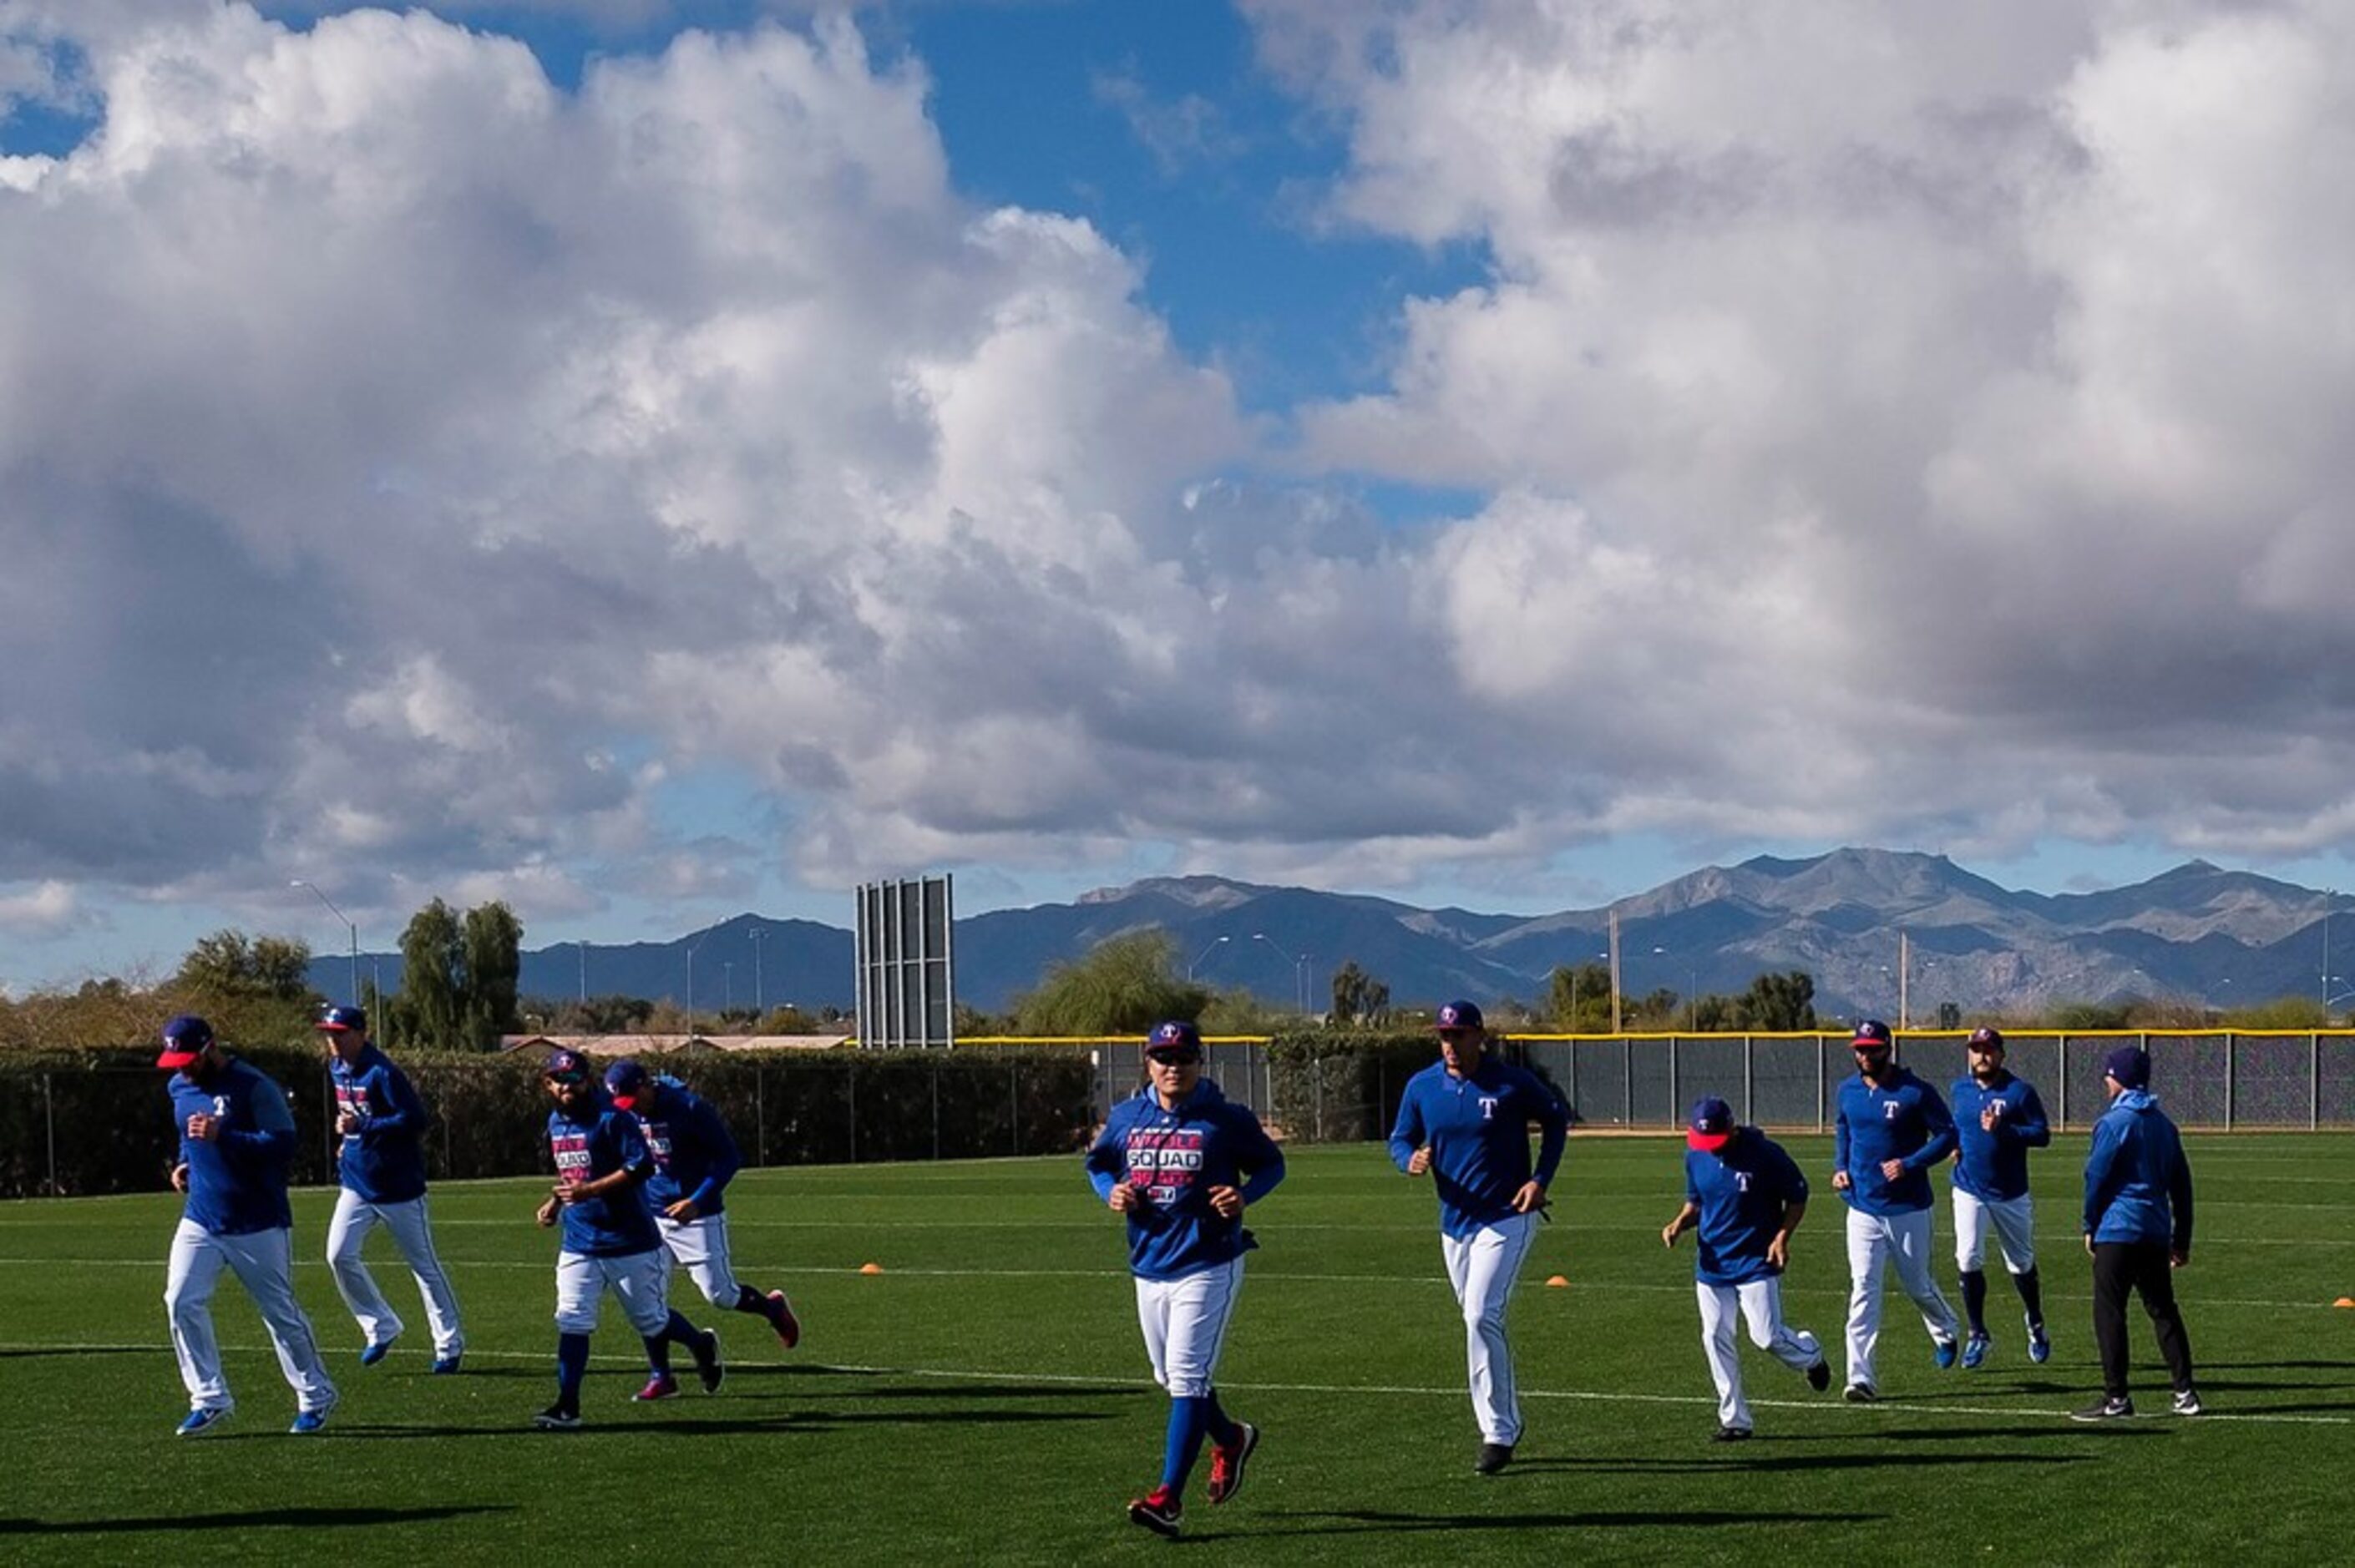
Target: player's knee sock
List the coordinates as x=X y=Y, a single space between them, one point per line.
x=1222 y=1426
x=1189 y=1424
x=1975 y=1298
x=571 y=1366
x=2031 y=1296
x=677 y=1331
x=751 y=1301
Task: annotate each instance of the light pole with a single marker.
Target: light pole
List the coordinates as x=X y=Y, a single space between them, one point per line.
x=584 y=972
x=2328 y=895
x=690 y=984
x=354 y=931
x=759 y=1007
x=1299 y=983
x=727 y=988
x=1203 y=954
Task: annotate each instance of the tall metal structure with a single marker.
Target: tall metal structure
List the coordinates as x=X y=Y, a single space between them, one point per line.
x=907 y=979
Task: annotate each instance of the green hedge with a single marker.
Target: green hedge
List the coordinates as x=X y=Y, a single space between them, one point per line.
x=89 y=1122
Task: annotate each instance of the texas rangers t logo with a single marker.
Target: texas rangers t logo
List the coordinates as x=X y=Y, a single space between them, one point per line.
x=1888 y=1109
x=1487 y=1107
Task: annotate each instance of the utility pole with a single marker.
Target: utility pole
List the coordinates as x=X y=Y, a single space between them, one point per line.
x=1615 y=969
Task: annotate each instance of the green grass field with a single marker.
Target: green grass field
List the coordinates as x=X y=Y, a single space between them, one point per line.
x=985 y=1397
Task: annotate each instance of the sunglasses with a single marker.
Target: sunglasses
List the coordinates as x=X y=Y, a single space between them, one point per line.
x=1174 y=1058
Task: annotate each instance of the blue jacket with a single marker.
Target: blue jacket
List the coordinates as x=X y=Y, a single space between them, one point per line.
x=1994 y=1165
x=2138 y=1183
x=1478 y=1130
x=606 y=1140
x=694 y=1155
x=1741 y=1191
x=1906 y=1121
x=1176 y=1157
x=237 y=1183
x=384 y=1161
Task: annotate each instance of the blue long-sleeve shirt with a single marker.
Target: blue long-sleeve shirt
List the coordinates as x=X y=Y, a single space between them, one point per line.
x=237 y=1183
x=2138 y=1183
x=695 y=1155
x=1904 y=1119
x=1478 y=1131
x=383 y=1160
x=1175 y=1157
x=602 y=1141
x=1742 y=1191
x=1994 y=1165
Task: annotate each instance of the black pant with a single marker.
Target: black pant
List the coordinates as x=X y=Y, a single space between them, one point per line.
x=2121 y=1266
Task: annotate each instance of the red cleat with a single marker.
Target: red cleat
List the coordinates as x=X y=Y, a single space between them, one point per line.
x=662 y=1385
x=1227 y=1463
x=782 y=1318
x=1159 y=1512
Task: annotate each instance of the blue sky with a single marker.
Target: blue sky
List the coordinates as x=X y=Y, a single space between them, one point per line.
x=1504 y=455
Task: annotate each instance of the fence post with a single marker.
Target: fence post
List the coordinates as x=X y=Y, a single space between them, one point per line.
x=1676 y=1081
x=1573 y=1071
x=2063 y=1037
x=1747 y=1114
x=1013 y=1106
x=2313 y=1080
x=1626 y=1081
x=936 y=1107
x=49 y=1117
x=1820 y=1084
x=1317 y=1091
x=850 y=1077
x=2232 y=1069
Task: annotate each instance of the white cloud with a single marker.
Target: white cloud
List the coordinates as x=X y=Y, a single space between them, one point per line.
x=43 y=910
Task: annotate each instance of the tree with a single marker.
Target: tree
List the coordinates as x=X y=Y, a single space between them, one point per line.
x=1778 y=1003
x=229 y=966
x=1124 y=986
x=458 y=977
x=1358 y=998
x=493 y=949
x=1579 y=998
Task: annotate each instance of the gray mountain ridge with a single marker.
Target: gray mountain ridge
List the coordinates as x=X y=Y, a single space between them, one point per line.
x=2196 y=934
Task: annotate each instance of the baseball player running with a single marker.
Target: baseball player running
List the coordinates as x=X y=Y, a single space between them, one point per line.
x=1464 y=1121
x=695 y=1159
x=381 y=1167
x=1890 y=1130
x=236 y=1138
x=1998 y=1119
x=1745 y=1197
x=602 y=1166
x=1182 y=1163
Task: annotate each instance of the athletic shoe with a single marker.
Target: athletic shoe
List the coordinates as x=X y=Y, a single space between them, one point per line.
x=1494 y=1456
x=446 y=1365
x=204 y=1418
x=2039 y=1349
x=782 y=1318
x=306 y=1421
x=1227 y=1463
x=2116 y=1409
x=706 y=1362
x=1159 y=1512
x=1944 y=1354
x=1731 y=1435
x=1858 y=1393
x=661 y=1385
x=371 y=1354
x=556 y=1418
x=1975 y=1351
x=2187 y=1402
x=1819 y=1376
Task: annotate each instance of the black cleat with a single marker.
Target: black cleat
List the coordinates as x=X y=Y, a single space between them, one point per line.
x=1731 y=1435
x=1158 y=1511
x=1858 y=1393
x=706 y=1362
x=1494 y=1456
x=1819 y=1376
x=2117 y=1409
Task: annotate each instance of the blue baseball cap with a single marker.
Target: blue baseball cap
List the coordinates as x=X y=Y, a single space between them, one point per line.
x=567 y=1067
x=1871 y=1031
x=185 y=1039
x=628 y=1082
x=1712 y=1125
x=339 y=1019
x=1176 y=1041
x=2128 y=1066
x=1459 y=1015
x=1985 y=1038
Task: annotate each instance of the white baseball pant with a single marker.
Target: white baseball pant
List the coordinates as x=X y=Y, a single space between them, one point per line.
x=1484 y=1267
x=413 y=1232
x=2013 y=1221
x=1758 y=1303
x=1184 y=1323
x=639 y=1282
x=264 y=1263
x=1874 y=1242
x=701 y=1248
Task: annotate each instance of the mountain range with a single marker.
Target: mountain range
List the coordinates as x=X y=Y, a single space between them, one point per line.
x=2197 y=933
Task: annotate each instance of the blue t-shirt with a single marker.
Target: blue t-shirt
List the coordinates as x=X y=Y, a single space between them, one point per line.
x=2138 y=1183
x=1176 y=1157
x=1478 y=1130
x=1994 y=1165
x=604 y=1142
x=694 y=1155
x=384 y=1161
x=1741 y=1191
x=1904 y=1119
x=237 y=1183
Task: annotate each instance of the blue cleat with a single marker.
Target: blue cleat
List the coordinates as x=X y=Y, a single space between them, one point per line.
x=377 y=1352
x=446 y=1365
x=1975 y=1351
x=1945 y=1354
x=2039 y=1349
x=306 y=1421
x=203 y=1418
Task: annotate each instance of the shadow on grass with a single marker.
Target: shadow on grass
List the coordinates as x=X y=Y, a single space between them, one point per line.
x=246 y=1519
x=32 y=1352
x=2048 y=1428
x=1373 y=1521
x=802 y=1421
x=1751 y=1460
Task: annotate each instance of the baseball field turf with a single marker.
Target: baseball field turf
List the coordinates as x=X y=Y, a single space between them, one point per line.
x=985 y=1396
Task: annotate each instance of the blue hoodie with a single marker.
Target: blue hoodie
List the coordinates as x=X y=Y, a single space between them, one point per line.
x=2137 y=1183
x=694 y=1157
x=237 y=1183
x=384 y=1161
x=1176 y=1157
